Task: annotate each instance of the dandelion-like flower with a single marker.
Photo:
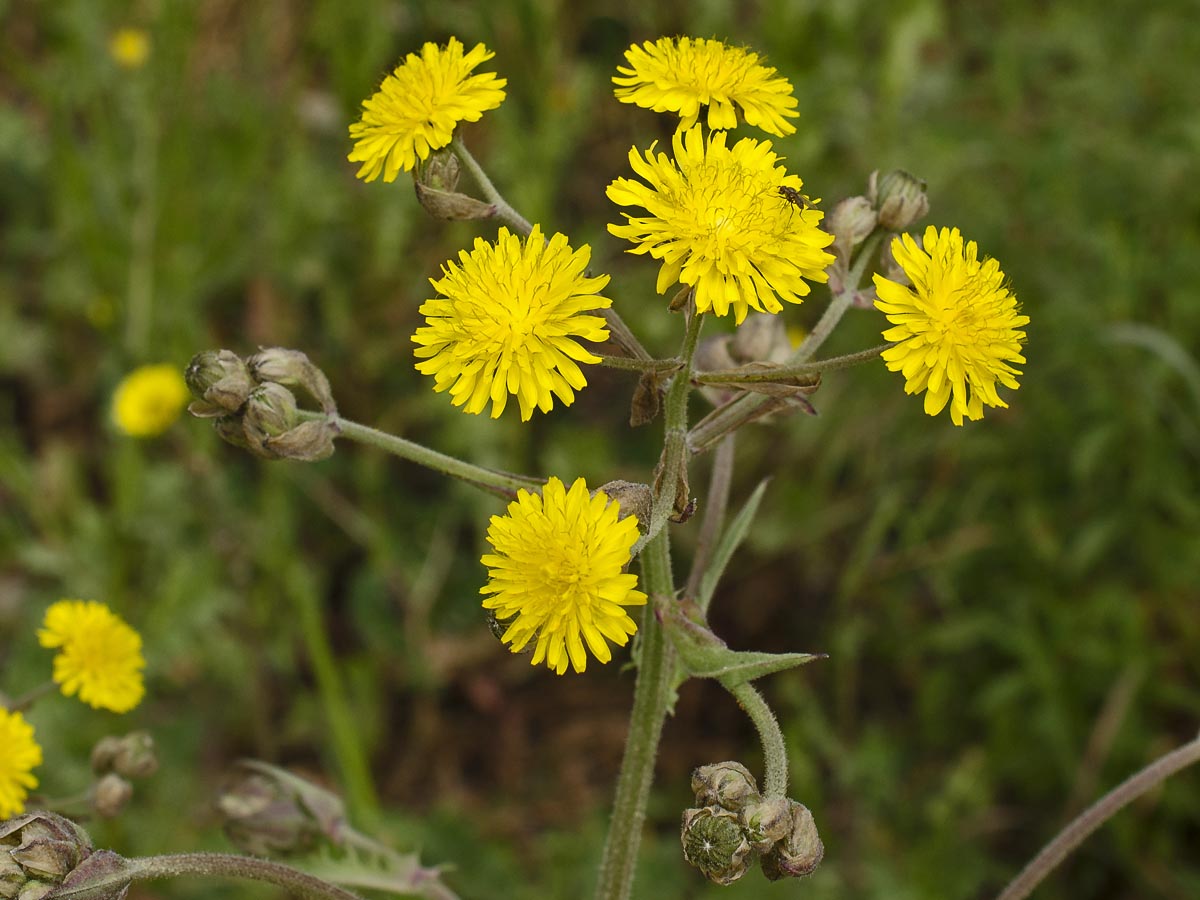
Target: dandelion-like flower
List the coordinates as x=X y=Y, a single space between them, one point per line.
x=719 y=222
x=556 y=575
x=100 y=657
x=958 y=326
x=129 y=47
x=418 y=106
x=680 y=75
x=509 y=322
x=19 y=757
x=149 y=400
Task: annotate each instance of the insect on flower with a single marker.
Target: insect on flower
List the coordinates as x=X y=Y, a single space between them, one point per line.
x=794 y=197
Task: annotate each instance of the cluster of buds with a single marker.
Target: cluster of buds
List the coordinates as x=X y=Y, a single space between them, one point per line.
x=42 y=854
x=894 y=201
x=115 y=761
x=252 y=405
x=271 y=812
x=734 y=826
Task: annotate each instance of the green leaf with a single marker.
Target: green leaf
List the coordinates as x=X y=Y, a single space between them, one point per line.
x=734 y=667
x=731 y=538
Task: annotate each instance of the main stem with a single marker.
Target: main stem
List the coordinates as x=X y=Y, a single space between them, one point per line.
x=656 y=661
x=656 y=668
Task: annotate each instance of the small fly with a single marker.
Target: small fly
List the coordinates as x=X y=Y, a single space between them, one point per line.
x=794 y=197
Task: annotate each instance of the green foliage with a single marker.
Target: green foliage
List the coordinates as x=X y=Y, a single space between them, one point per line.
x=1009 y=608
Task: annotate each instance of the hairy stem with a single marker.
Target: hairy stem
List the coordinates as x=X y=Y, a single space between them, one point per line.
x=775 y=762
x=636 y=364
x=220 y=865
x=504 y=211
x=656 y=669
x=839 y=304
x=1096 y=815
x=736 y=376
x=674 y=435
x=505 y=484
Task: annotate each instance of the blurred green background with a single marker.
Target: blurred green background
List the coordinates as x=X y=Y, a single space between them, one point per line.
x=1010 y=608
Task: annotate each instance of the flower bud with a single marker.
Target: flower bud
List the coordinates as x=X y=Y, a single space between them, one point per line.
x=291 y=368
x=131 y=756
x=270 y=412
x=440 y=171
x=766 y=822
x=633 y=498
x=38 y=851
x=713 y=842
x=110 y=795
x=851 y=221
x=272 y=811
x=220 y=380
x=762 y=337
x=230 y=430
x=898 y=197
x=799 y=852
x=726 y=784
x=451 y=205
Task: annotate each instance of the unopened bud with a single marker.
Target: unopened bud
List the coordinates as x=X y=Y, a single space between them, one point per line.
x=272 y=811
x=38 y=852
x=110 y=795
x=726 y=784
x=131 y=756
x=634 y=499
x=451 y=205
x=230 y=430
x=898 y=197
x=440 y=170
x=761 y=337
x=219 y=380
x=767 y=821
x=850 y=221
x=270 y=412
x=292 y=368
x=713 y=842
x=799 y=852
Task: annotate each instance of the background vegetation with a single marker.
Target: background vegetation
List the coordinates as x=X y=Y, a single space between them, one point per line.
x=1010 y=608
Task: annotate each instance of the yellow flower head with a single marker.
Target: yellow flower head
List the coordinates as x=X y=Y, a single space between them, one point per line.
x=509 y=321
x=19 y=756
x=418 y=106
x=556 y=574
x=680 y=75
x=958 y=326
x=149 y=400
x=129 y=48
x=100 y=657
x=719 y=223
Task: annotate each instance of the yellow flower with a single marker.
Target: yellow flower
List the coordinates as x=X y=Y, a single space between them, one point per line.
x=418 y=106
x=682 y=74
x=719 y=222
x=509 y=322
x=556 y=574
x=100 y=657
x=19 y=756
x=149 y=400
x=958 y=326
x=129 y=47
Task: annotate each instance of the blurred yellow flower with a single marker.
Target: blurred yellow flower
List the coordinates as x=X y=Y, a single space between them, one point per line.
x=418 y=106
x=680 y=75
x=509 y=322
x=149 y=400
x=130 y=47
x=556 y=574
x=100 y=657
x=19 y=755
x=719 y=222
x=958 y=326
